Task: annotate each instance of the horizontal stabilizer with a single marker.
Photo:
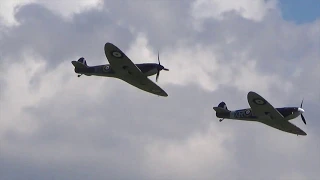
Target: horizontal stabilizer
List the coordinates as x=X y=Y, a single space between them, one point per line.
x=220 y=110
x=78 y=64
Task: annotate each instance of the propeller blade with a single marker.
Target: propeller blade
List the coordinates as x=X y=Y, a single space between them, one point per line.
x=160 y=68
x=303 y=119
x=157 y=76
x=301 y=103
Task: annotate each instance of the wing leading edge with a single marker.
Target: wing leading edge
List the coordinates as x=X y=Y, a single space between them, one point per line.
x=129 y=72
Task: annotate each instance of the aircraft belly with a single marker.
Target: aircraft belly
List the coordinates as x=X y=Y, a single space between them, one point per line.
x=104 y=74
x=291 y=116
x=151 y=72
x=243 y=115
x=103 y=70
x=245 y=119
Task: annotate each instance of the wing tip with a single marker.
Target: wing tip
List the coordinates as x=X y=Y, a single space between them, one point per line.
x=109 y=44
x=252 y=93
x=303 y=133
x=164 y=94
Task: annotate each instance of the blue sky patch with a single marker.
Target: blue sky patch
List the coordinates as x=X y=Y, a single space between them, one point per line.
x=300 y=11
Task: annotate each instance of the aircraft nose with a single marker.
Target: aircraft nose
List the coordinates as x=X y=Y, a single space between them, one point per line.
x=160 y=67
x=300 y=110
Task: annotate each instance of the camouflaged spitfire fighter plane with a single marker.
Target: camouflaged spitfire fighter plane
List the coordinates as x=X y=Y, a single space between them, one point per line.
x=262 y=111
x=123 y=68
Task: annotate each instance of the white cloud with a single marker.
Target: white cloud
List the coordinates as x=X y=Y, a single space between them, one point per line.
x=192 y=158
x=70 y=7
x=250 y=9
x=64 y=8
x=29 y=83
x=293 y=176
x=199 y=64
x=8 y=9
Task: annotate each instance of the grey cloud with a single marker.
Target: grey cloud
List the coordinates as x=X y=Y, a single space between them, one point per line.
x=112 y=127
x=56 y=40
x=164 y=22
x=110 y=134
x=280 y=48
x=17 y=168
x=275 y=44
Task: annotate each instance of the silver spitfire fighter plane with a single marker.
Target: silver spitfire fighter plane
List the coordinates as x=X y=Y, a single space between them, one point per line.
x=262 y=111
x=123 y=68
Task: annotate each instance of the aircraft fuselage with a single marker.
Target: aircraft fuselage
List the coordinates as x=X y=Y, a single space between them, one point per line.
x=246 y=114
x=106 y=70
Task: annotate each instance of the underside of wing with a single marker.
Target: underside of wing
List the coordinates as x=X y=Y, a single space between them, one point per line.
x=261 y=107
x=145 y=84
x=284 y=125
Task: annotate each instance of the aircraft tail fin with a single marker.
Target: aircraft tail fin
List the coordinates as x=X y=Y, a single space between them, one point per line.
x=81 y=63
x=222 y=107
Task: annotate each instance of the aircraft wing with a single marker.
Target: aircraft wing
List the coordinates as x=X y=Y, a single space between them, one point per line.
x=261 y=107
x=268 y=115
x=283 y=125
x=145 y=84
x=119 y=61
x=129 y=72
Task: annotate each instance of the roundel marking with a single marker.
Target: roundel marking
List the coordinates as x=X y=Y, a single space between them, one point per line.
x=259 y=101
x=116 y=54
x=106 y=68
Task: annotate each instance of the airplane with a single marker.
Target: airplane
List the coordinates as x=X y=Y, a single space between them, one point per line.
x=123 y=68
x=262 y=111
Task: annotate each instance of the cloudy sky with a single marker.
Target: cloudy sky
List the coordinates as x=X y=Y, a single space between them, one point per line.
x=56 y=126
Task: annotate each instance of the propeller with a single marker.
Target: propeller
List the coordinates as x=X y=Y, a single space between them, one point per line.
x=302 y=117
x=160 y=67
